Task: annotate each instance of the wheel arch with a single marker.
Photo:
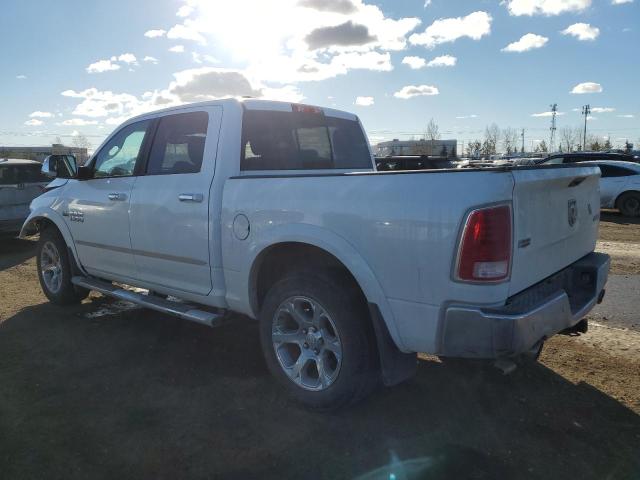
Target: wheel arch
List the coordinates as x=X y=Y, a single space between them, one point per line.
x=324 y=246
x=38 y=220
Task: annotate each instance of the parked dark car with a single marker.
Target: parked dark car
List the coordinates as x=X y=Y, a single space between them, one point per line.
x=585 y=157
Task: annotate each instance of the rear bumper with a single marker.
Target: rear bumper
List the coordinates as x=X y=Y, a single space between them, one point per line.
x=537 y=313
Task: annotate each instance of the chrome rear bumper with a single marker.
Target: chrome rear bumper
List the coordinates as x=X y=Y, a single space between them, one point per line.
x=537 y=313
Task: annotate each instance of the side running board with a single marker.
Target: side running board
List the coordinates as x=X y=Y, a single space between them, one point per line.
x=181 y=310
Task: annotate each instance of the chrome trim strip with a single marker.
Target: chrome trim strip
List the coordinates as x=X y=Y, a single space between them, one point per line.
x=143 y=253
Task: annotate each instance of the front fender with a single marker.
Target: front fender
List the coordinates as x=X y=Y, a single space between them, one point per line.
x=318 y=237
x=41 y=209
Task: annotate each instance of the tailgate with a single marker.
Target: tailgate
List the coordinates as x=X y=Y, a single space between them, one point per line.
x=556 y=216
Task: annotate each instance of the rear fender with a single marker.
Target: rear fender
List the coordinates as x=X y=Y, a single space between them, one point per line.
x=331 y=243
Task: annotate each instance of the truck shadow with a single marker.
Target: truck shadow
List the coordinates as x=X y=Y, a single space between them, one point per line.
x=109 y=391
x=15 y=251
x=614 y=216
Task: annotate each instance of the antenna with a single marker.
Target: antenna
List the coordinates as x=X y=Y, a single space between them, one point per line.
x=554 y=111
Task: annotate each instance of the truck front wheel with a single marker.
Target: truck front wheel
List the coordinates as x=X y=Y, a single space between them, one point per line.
x=318 y=341
x=54 y=269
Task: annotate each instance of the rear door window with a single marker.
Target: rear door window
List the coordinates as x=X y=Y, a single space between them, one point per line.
x=178 y=146
x=274 y=140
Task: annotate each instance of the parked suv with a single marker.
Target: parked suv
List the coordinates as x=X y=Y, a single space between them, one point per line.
x=20 y=182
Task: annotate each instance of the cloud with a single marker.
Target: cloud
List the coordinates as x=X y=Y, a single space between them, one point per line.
x=546 y=114
x=415 y=91
x=208 y=83
x=21 y=77
x=307 y=43
x=443 y=61
x=582 y=31
x=150 y=59
x=414 y=62
x=602 y=109
x=39 y=114
x=155 y=33
x=364 y=101
x=126 y=58
x=177 y=49
x=200 y=58
x=587 y=87
x=337 y=6
x=97 y=103
x=620 y=2
x=102 y=66
x=345 y=34
x=184 y=11
x=628 y=115
x=464 y=117
x=34 y=122
x=527 y=42
x=545 y=7
x=78 y=122
x=475 y=26
x=427 y=3
x=186 y=31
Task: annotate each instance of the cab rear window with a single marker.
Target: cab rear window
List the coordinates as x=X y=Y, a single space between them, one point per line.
x=274 y=140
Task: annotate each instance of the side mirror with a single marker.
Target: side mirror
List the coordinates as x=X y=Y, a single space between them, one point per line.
x=50 y=167
x=60 y=166
x=84 y=173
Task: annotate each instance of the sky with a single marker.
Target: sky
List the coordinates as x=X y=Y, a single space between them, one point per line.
x=76 y=67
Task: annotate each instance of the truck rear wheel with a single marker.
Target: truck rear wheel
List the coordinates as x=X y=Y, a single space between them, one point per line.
x=318 y=341
x=54 y=270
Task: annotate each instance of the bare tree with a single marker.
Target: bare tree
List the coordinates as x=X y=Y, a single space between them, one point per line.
x=80 y=141
x=543 y=146
x=432 y=134
x=473 y=148
x=510 y=140
x=567 y=138
x=491 y=137
x=57 y=141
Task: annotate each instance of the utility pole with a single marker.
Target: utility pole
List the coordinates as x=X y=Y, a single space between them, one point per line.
x=586 y=111
x=522 y=135
x=554 y=110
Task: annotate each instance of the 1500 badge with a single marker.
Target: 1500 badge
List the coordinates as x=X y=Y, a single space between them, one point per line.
x=74 y=215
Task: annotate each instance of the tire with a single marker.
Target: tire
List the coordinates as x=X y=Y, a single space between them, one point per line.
x=629 y=204
x=54 y=270
x=342 y=345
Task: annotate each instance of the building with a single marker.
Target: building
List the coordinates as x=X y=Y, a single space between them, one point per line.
x=432 y=148
x=40 y=153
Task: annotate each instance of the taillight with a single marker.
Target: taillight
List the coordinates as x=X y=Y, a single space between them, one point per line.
x=484 y=253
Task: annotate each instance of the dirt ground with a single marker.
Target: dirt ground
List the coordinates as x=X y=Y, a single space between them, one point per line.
x=103 y=390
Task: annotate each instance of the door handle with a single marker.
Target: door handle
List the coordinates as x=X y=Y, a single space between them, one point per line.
x=191 y=197
x=117 y=196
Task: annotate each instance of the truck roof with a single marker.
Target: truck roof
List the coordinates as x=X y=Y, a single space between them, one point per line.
x=251 y=104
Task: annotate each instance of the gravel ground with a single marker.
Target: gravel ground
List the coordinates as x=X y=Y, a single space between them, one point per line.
x=104 y=390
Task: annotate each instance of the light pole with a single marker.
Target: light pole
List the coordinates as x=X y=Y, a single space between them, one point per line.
x=586 y=111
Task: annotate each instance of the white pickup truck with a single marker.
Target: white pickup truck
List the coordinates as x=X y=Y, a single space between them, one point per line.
x=274 y=210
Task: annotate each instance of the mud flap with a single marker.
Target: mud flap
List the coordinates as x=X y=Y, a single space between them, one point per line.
x=395 y=366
